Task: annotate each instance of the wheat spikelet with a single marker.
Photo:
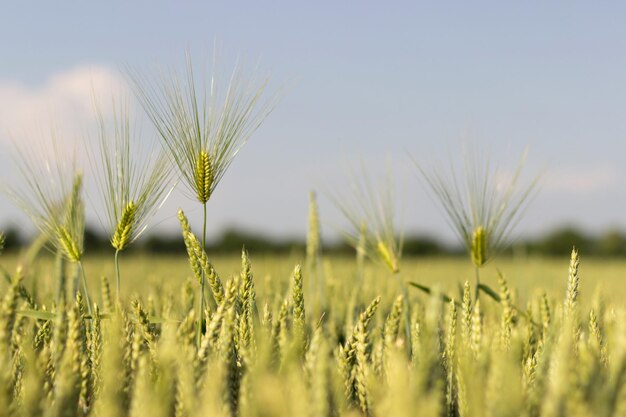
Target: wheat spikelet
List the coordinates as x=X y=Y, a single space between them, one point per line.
x=283 y=332
x=141 y=390
x=68 y=244
x=476 y=338
x=42 y=336
x=204 y=177
x=277 y=335
x=571 y=298
x=388 y=257
x=186 y=333
x=248 y=307
x=560 y=375
x=199 y=260
x=348 y=352
x=203 y=131
x=360 y=369
x=313 y=242
x=112 y=397
x=299 y=315
x=597 y=338
x=94 y=349
x=67 y=387
x=187 y=296
x=372 y=218
x=70 y=231
x=214 y=326
x=124 y=230
x=466 y=314
x=228 y=354
x=481 y=208
x=392 y=323
x=143 y=328
x=107 y=300
x=33 y=396
x=266 y=321
x=450 y=358
x=546 y=315
x=507 y=312
x=478 y=248
x=318 y=375
x=188 y=238
x=8 y=314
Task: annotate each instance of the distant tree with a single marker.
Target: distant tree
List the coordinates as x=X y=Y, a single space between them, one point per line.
x=611 y=243
x=422 y=245
x=12 y=239
x=561 y=241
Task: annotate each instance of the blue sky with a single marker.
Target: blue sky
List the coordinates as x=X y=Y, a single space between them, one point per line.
x=366 y=81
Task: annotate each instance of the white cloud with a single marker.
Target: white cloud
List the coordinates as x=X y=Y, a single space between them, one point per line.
x=64 y=102
x=581 y=180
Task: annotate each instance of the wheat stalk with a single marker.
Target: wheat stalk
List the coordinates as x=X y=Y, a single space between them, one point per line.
x=202 y=130
x=482 y=208
x=133 y=183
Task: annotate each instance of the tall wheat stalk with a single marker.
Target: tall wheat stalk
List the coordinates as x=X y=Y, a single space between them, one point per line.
x=203 y=128
x=482 y=205
x=133 y=182
x=371 y=213
x=50 y=193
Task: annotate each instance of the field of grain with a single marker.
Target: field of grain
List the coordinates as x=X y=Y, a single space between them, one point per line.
x=375 y=334
x=281 y=342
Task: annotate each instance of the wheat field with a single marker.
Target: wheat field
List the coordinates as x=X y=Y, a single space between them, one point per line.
x=271 y=345
x=375 y=334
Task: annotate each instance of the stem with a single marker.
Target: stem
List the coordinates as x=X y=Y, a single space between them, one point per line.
x=85 y=289
x=201 y=311
x=117 y=277
x=477 y=293
x=60 y=271
x=407 y=313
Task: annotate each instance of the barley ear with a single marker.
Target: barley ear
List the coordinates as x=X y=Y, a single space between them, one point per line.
x=123 y=232
x=204 y=177
x=479 y=246
x=389 y=258
x=69 y=245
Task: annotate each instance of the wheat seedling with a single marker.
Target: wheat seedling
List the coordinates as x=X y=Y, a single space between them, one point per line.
x=481 y=208
x=203 y=130
x=133 y=185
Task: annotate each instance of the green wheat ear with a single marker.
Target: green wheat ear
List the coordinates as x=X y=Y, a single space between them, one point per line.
x=388 y=256
x=68 y=244
x=123 y=232
x=479 y=246
x=204 y=177
x=1 y=242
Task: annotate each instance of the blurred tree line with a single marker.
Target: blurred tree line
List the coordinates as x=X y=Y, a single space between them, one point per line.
x=558 y=242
